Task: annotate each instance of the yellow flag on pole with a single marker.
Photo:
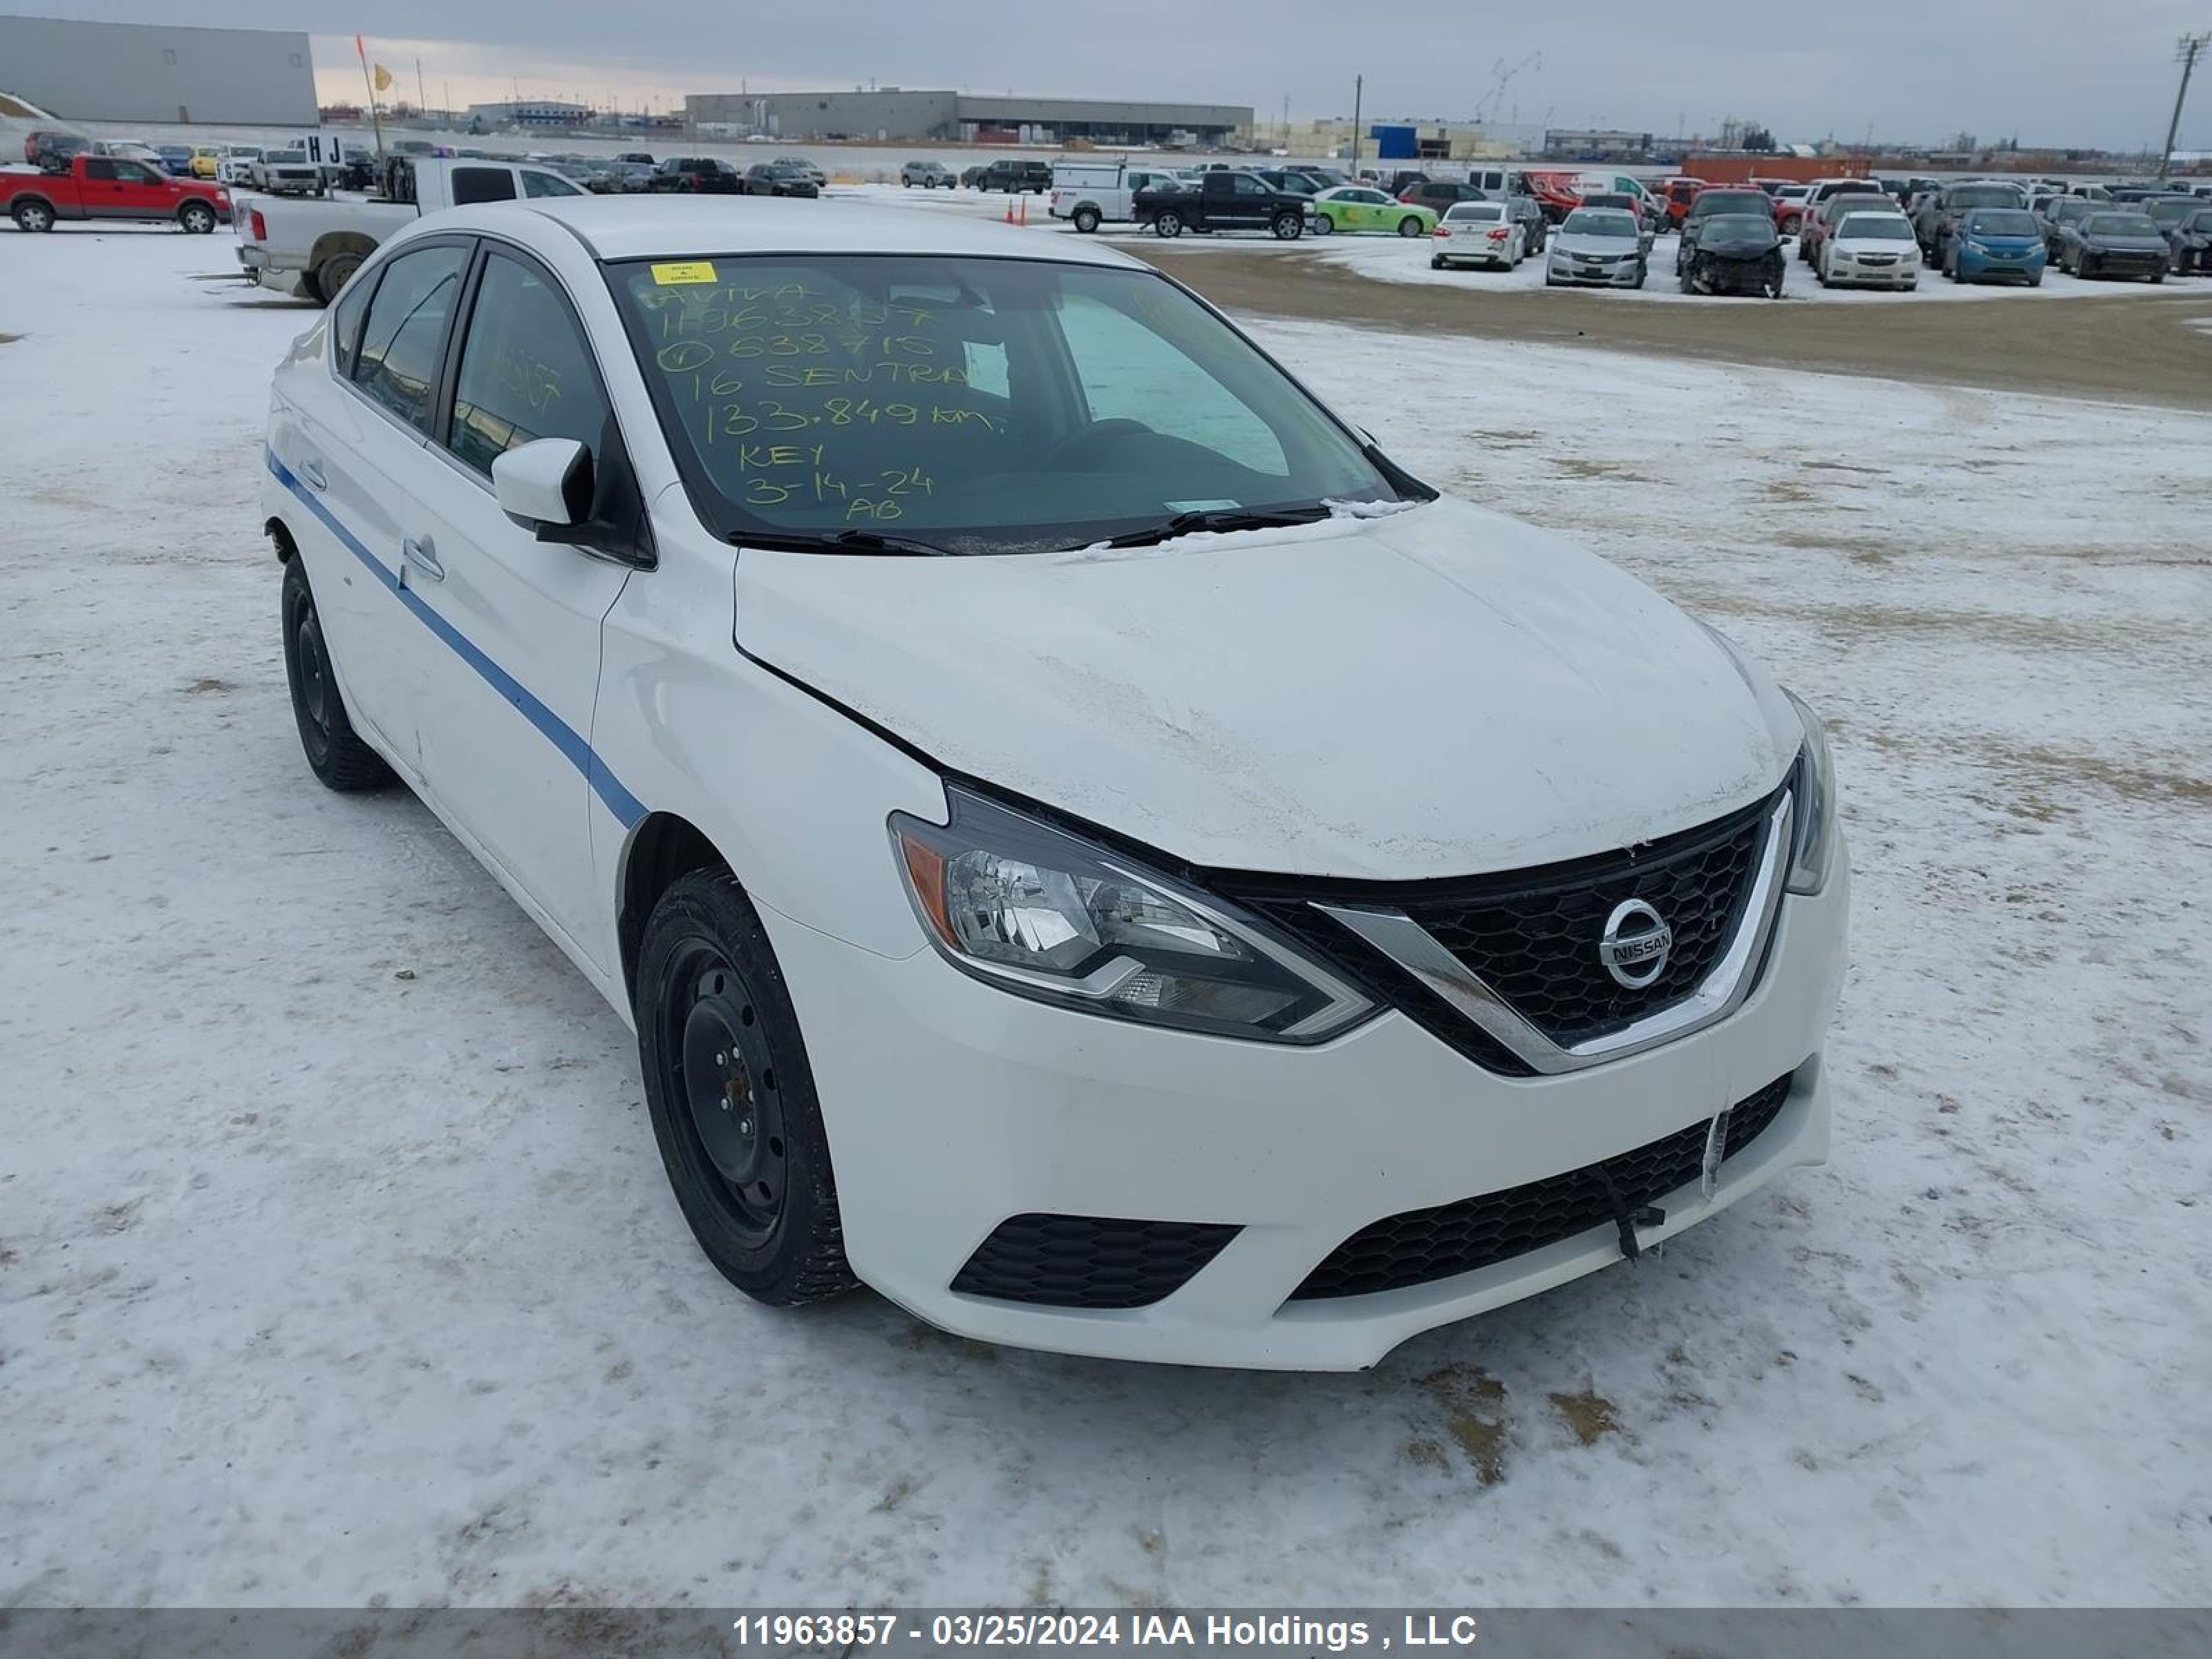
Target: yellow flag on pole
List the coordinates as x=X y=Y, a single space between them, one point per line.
x=383 y=78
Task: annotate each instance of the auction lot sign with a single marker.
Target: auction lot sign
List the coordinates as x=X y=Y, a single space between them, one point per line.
x=980 y=1632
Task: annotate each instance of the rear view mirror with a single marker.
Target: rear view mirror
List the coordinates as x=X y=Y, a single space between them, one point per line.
x=544 y=484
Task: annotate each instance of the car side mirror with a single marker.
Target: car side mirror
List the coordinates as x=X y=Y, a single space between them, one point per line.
x=544 y=485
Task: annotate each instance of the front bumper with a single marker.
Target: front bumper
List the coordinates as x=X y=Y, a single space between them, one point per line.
x=951 y=1107
x=1854 y=275
x=1622 y=275
x=1986 y=268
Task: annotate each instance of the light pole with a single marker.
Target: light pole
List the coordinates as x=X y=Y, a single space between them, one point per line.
x=1359 y=85
x=2186 y=52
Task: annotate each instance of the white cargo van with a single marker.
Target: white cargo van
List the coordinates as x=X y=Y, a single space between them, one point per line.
x=1086 y=193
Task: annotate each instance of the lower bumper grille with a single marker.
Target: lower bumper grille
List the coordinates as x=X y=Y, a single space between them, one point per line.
x=1423 y=1246
x=1090 y=1262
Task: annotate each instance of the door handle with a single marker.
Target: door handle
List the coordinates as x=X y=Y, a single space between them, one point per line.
x=312 y=472
x=419 y=552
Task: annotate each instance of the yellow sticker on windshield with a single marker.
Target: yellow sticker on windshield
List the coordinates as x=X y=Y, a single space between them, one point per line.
x=687 y=271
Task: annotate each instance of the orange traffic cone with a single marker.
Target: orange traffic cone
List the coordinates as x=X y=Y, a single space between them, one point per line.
x=1010 y=209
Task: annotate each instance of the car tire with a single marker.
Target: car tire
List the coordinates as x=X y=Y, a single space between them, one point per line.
x=197 y=218
x=1322 y=225
x=732 y=1096
x=2036 y=281
x=335 y=752
x=1409 y=226
x=334 y=273
x=1436 y=262
x=2159 y=275
x=1168 y=224
x=1086 y=220
x=33 y=217
x=1288 y=227
x=1643 y=272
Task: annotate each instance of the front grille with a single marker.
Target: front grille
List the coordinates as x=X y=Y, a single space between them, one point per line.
x=1088 y=1260
x=1532 y=935
x=1423 y=1246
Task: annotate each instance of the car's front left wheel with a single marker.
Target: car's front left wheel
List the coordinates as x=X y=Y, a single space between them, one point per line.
x=197 y=218
x=335 y=752
x=732 y=1096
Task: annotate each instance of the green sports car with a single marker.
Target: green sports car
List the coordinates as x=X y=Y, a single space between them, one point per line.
x=1361 y=207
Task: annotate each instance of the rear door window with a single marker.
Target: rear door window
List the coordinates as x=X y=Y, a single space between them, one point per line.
x=526 y=371
x=404 y=336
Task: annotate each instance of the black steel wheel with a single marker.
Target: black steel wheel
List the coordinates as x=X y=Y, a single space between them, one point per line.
x=732 y=1096
x=334 y=750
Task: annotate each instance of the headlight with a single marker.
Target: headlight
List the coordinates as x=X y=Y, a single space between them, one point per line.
x=1046 y=914
x=1813 y=836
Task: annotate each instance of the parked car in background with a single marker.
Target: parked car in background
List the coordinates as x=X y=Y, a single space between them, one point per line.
x=805 y=169
x=2117 y=242
x=643 y=158
x=1441 y=194
x=207 y=161
x=108 y=188
x=287 y=172
x=1870 y=247
x=697 y=175
x=1675 y=196
x=929 y=175
x=51 y=150
x=2061 y=211
x=1821 y=189
x=1368 y=208
x=2169 y=210
x=176 y=160
x=1734 y=253
x=1528 y=213
x=1017 y=177
x=1224 y=200
x=1030 y=1011
x=1713 y=202
x=623 y=179
x=779 y=179
x=1599 y=247
x=319 y=245
x=1996 y=245
x=971 y=178
x=1088 y=193
x=1821 y=219
x=2190 y=240
x=1937 y=220
x=1300 y=182
x=1477 y=233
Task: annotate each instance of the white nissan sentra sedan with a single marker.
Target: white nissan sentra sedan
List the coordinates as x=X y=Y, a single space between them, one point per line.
x=1089 y=846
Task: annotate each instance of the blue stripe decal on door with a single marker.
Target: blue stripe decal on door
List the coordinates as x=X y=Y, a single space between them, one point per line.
x=626 y=807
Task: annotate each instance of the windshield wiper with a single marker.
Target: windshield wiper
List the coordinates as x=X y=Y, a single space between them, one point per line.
x=837 y=541
x=1225 y=518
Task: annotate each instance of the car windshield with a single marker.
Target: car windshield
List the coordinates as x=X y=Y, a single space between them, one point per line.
x=1876 y=228
x=969 y=405
x=2120 y=224
x=1732 y=201
x=1746 y=227
x=1599 y=221
x=2003 y=222
x=2200 y=221
x=1982 y=196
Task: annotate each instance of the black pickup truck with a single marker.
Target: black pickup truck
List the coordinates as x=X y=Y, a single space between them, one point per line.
x=1222 y=200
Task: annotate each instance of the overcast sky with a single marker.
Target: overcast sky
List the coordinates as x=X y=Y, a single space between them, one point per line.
x=2055 y=71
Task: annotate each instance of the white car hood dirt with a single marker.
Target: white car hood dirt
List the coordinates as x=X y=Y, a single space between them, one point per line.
x=1438 y=691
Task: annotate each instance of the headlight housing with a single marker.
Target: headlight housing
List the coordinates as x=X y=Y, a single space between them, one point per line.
x=1047 y=914
x=1813 y=836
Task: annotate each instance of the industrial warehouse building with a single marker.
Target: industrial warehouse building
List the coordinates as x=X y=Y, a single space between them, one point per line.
x=891 y=114
x=151 y=74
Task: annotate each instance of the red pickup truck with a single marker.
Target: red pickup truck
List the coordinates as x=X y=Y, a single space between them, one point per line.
x=97 y=187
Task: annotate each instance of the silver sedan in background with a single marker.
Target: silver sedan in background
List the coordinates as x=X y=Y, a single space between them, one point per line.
x=1599 y=247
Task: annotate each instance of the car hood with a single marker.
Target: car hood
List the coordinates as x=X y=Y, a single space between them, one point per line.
x=2131 y=244
x=1437 y=691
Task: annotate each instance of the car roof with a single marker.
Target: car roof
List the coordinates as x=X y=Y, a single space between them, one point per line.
x=672 y=227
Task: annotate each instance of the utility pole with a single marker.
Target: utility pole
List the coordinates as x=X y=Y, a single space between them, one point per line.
x=2186 y=52
x=1358 y=86
x=421 y=94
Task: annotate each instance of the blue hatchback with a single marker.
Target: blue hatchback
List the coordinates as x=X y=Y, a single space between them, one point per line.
x=1996 y=242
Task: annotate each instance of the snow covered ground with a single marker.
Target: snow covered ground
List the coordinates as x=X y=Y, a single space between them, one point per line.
x=336 y=1260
